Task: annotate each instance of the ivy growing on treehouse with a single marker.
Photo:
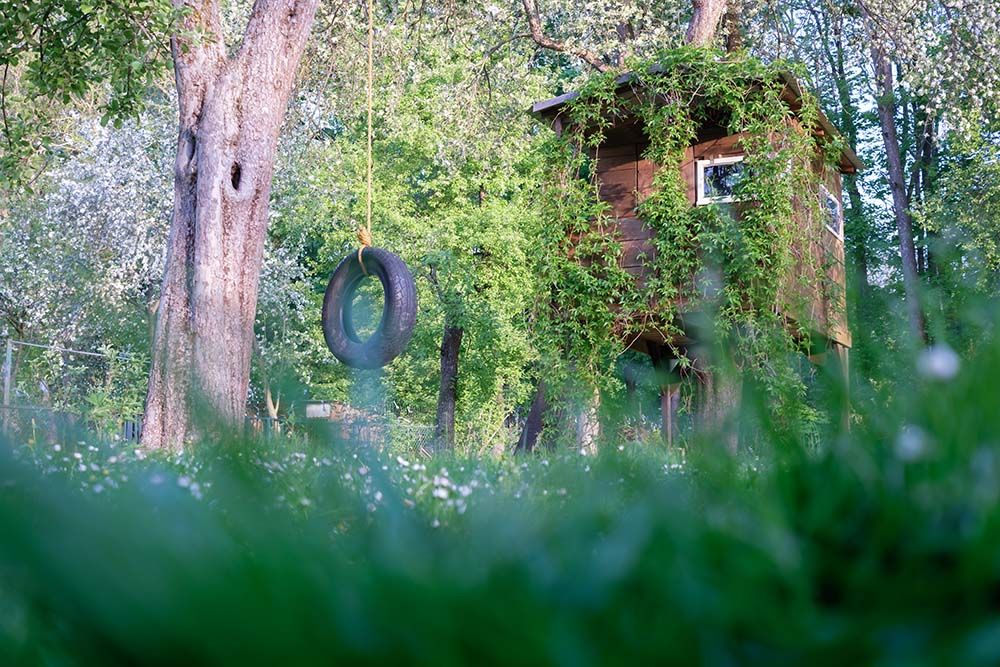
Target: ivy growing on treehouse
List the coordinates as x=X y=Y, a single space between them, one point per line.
x=748 y=270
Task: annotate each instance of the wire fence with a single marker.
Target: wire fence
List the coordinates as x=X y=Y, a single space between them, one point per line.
x=53 y=393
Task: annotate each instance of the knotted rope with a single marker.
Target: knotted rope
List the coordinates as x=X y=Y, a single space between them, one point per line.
x=365 y=233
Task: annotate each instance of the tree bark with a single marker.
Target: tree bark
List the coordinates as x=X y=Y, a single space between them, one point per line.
x=668 y=380
x=588 y=424
x=231 y=109
x=885 y=102
x=534 y=423
x=705 y=19
x=451 y=346
x=734 y=25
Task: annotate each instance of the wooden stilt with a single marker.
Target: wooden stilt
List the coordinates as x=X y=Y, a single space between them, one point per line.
x=669 y=382
x=534 y=423
x=670 y=396
x=841 y=355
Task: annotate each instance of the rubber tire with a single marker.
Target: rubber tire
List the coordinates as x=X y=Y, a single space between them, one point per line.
x=399 y=312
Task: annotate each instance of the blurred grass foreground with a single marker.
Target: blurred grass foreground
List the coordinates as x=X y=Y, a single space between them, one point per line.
x=878 y=545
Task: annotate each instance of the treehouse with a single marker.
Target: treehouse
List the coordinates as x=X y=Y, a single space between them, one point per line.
x=810 y=295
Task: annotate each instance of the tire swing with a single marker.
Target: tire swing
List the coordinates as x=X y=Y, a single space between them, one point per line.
x=399 y=310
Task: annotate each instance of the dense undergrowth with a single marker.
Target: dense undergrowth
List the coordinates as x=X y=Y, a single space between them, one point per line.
x=877 y=545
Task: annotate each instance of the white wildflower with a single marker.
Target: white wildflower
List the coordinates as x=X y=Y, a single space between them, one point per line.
x=938 y=362
x=911 y=443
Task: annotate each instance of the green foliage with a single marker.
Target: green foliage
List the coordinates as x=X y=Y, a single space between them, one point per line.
x=458 y=204
x=966 y=206
x=56 y=52
x=121 y=396
x=879 y=547
x=737 y=267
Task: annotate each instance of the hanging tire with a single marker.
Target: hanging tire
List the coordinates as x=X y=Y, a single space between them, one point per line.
x=399 y=312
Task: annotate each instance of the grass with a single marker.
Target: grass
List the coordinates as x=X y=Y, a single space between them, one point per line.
x=880 y=545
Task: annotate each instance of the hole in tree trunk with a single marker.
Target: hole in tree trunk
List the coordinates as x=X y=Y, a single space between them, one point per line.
x=236 y=174
x=192 y=144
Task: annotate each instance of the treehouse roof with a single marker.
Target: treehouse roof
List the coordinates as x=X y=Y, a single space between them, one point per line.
x=849 y=161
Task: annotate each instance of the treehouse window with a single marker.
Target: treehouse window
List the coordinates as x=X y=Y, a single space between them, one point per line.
x=718 y=179
x=832 y=212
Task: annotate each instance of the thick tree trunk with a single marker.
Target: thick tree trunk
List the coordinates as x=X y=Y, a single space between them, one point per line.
x=231 y=109
x=705 y=19
x=451 y=346
x=886 y=105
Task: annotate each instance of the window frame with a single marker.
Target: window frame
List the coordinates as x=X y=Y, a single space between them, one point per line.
x=827 y=195
x=700 y=166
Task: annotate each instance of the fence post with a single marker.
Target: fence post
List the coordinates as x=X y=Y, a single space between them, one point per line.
x=8 y=371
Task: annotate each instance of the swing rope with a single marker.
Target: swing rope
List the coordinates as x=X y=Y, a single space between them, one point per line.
x=365 y=232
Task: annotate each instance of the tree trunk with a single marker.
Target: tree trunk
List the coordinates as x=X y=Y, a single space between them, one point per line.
x=668 y=380
x=272 y=405
x=719 y=397
x=885 y=102
x=451 y=345
x=588 y=424
x=734 y=25
x=705 y=19
x=231 y=109
x=857 y=231
x=535 y=421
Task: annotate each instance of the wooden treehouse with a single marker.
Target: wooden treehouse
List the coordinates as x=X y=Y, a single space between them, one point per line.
x=625 y=178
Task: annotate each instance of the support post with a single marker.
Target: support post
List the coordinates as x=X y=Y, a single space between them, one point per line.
x=670 y=390
x=841 y=354
x=534 y=423
x=670 y=396
x=8 y=372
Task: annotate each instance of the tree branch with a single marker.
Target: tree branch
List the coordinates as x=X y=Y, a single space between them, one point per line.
x=198 y=49
x=3 y=107
x=546 y=42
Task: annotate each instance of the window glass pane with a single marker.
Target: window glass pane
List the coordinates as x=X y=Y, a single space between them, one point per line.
x=721 y=179
x=834 y=220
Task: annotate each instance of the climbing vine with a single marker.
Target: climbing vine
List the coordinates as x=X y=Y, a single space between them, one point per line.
x=751 y=264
